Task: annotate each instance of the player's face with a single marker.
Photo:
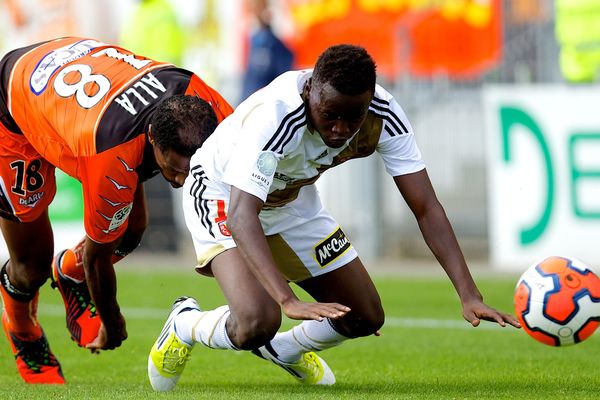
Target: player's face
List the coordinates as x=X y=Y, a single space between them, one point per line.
x=336 y=116
x=173 y=166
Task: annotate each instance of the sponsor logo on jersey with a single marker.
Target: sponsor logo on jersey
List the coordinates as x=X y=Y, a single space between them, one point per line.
x=331 y=248
x=120 y=217
x=284 y=178
x=323 y=154
x=32 y=200
x=57 y=58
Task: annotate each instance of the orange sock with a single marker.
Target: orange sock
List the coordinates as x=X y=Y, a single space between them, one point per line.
x=20 y=316
x=72 y=262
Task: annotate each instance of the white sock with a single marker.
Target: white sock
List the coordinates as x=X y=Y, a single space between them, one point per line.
x=308 y=336
x=184 y=323
x=208 y=328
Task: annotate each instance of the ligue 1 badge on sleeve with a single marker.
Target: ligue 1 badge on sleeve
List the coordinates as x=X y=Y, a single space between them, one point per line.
x=266 y=163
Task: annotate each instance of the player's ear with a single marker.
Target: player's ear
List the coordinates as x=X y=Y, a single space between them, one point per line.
x=306 y=89
x=309 y=84
x=150 y=137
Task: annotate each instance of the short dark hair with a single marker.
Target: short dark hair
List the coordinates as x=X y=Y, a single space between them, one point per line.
x=348 y=68
x=182 y=123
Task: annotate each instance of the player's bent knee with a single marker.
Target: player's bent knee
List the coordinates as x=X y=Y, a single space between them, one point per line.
x=368 y=326
x=354 y=326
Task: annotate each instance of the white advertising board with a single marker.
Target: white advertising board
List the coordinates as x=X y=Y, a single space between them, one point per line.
x=543 y=152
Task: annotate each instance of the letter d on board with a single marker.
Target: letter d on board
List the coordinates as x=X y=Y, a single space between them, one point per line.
x=510 y=117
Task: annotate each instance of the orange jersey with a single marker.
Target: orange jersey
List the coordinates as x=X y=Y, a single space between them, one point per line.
x=85 y=107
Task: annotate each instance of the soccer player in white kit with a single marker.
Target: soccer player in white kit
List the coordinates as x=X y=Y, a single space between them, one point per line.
x=257 y=222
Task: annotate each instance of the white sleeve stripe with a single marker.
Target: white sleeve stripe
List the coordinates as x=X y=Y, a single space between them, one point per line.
x=284 y=130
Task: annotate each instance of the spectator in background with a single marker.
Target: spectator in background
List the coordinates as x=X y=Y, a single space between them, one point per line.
x=578 y=36
x=268 y=56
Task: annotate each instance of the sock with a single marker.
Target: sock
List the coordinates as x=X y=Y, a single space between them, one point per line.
x=71 y=263
x=208 y=327
x=308 y=336
x=20 y=310
x=184 y=325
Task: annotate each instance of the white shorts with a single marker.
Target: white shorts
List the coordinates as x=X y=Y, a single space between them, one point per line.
x=305 y=240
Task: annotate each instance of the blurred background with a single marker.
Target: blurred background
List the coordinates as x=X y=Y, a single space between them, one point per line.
x=502 y=96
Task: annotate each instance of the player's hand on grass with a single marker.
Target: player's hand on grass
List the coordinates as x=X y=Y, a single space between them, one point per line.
x=476 y=310
x=296 y=309
x=111 y=338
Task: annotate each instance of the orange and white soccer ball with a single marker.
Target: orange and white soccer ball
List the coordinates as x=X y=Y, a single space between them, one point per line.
x=557 y=301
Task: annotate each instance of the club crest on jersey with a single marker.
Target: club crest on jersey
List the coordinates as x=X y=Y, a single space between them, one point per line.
x=57 y=58
x=221 y=219
x=223 y=228
x=120 y=217
x=331 y=248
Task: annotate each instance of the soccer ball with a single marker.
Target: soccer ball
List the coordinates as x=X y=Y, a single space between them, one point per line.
x=557 y=301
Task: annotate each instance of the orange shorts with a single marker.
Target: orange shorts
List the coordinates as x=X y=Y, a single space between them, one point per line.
x=27 y=182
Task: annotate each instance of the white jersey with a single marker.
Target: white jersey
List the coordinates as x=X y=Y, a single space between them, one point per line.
x=266 y=147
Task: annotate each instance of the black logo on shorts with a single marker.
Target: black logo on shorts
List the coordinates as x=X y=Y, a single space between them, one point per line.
x=332 y=247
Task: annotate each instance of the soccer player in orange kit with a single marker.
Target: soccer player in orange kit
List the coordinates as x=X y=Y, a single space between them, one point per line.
x=111 y=119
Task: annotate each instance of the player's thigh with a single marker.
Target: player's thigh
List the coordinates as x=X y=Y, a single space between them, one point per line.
x=305 y=240
x=349 y=285
x=310 y=248
x=28 y=182
x=251 y=306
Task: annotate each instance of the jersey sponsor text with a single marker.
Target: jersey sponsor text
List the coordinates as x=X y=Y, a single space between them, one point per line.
x=56 y=59
x=332 y=247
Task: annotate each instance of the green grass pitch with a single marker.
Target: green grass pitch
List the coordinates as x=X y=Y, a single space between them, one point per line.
x=426 y=351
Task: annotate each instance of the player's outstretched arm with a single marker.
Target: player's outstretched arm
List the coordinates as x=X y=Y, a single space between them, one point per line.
x=245 y=227
x=420 y=196
x=102 y=283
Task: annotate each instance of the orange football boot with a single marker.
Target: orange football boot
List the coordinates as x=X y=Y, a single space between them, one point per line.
x=83 y=322
x=35 y=360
